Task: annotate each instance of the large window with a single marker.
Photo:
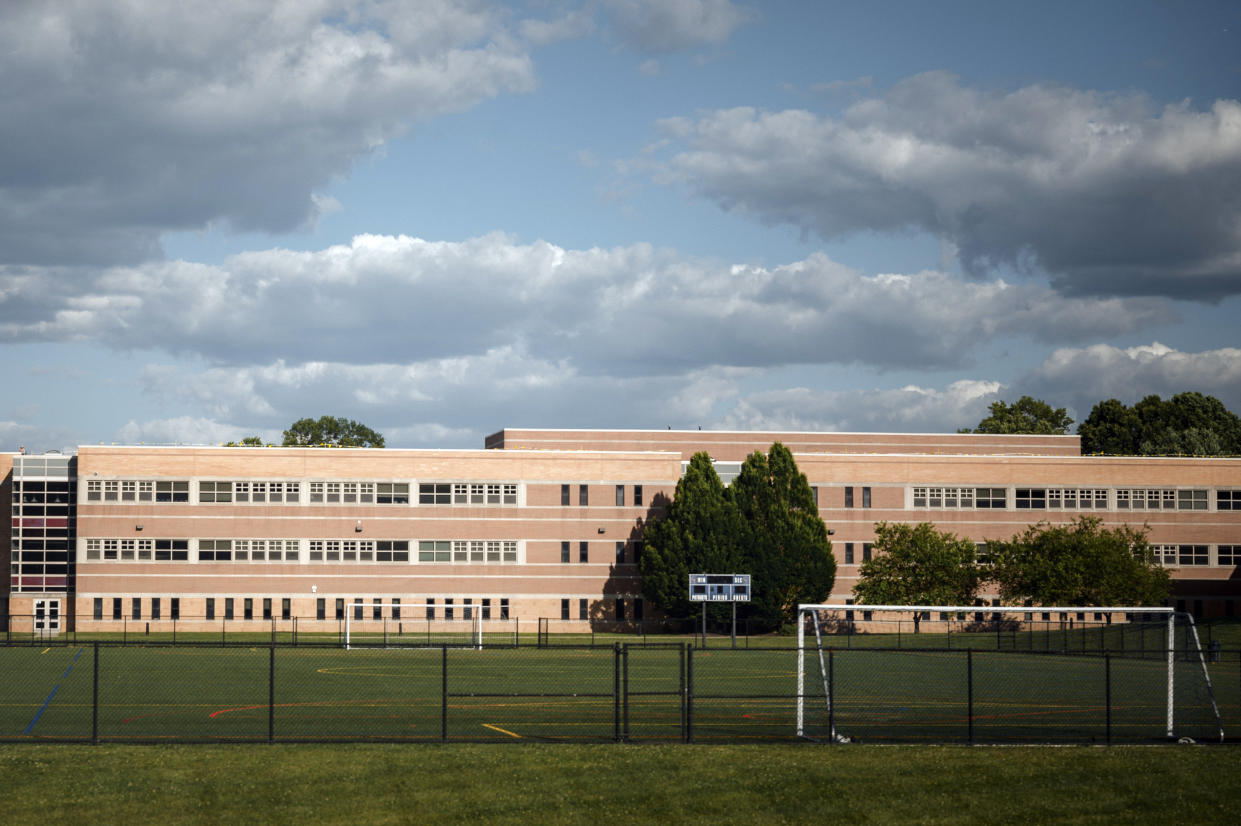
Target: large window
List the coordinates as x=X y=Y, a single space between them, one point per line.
x=1228 y=500
x=1230 y=554
x=1192 y=555
x=990 y=498
x=1031 y=498
x=215 y=491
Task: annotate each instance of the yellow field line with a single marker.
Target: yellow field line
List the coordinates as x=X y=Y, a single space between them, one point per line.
x=502 y=731
x=45 y=650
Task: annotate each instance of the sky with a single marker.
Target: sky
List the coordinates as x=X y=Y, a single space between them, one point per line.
x=444 y=218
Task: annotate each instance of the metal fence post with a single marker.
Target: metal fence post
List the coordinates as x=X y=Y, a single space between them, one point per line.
x=681 y=677
x=271 y=694
x=444 y=694
x=831 y=696
x=616 y=682
x=1107 y=692
x=625 y=693
x=969 y=690
x=94 y=721
x=689 y=695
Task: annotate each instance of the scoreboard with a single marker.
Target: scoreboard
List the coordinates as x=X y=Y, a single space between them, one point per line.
x=719 y=587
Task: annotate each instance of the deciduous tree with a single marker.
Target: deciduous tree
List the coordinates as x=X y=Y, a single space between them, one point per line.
x=1026 y=415
x=330 y=431
x=918 y=565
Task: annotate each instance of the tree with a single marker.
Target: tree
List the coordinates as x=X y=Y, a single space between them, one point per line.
x=918 y=565
x=329 y=431
x=249 y=441
x=1188 y=423
x=784 y=543
x=1081 y=563
x=1026 y=415
x=698 y=534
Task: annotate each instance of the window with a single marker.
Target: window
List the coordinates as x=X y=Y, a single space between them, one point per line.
x=564 y=551
x=865 y=498
x=1164 y=554
x=434 y=550
x=397 y=493
x=814 y=493
x=620 y=609
x=583 y=495
x=620 y=496
x=1192 y=555
x=620 y=553
x=990 y=498
x=469 y=608
x=431 y=608
x=387 y=550
x=320 y=608
x=247 y=608
x=866 y=546
x=267 y=609
x=228 y=608
x=340 y=608
x=582 y=609
x=1031 y=498
x=172 y=550
x=848 y=553
x=286 y=608
x=155 y=608
x=637 y=494
x=174 y=607
x=938 y=497
x=210 y=608
x=377 y=611
x=1228 y=500
x=116 y=608
x=583 y=554
x=637 y=609
x=503 y=609
x=564 y=609
x=849 y=496
x=564 y=495
x=137 y=609
x=98 y=608
x=486 y=609
x=215 y=550
x=357 y=608
x=448 y=608
x=1230 y=554
x=434 y=494
x=215 y=491
x=172 y=491
x=396 y=608
x=1191 y=500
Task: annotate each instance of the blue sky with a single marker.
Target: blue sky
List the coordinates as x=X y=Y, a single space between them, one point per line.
x=441 y=218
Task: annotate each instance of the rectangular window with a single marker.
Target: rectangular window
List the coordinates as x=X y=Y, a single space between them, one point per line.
x=377 y=611
x=990 y=497
x=155 y=608
x=583 y=554
x=866 y=551
x=431 y=608
x=396 y=608
x=286 y=608
x=448 y=610
x=564 y=495
x=174 y=607
x=434 y=550
x=503 y=609
x=1228 y=500
x=582 y=609
x=866 y=497
x=357 y=608
x=620 y=496
x=397 y=493
x=172 y=491
x=320 y=608
x=620 y=610
x=215 y=491
x=1031 y=498
x=583 y=495
x=637 y=609
x=340 y=608
x=564 y=551
x=136 y=612
x=620 y=553
x=228 y=608
x=210 y=608
x=1191 y=500
x=267 y=608
x=848 y=553
x=849 y=496
x=564 y=609
x=116 y=608
x=1230 y=554
x=814 y=492
x=247 y=608
x=98 y=608
x=1192 y=555
x=469 y=608
x=486 y=609
x=172 y=550
x=637 y=495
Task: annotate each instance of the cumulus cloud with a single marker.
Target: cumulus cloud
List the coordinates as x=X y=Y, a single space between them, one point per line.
x=124 y=120
x=188 y=430
x=632 y=310
x=657 y=26
x=905 y=409
x=1082 y=377
x=1110 y=194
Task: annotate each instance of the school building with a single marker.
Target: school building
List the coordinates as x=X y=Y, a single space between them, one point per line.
x=537 y=524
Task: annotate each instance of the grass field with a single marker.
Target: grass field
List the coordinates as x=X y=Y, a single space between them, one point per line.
x=568 y=784
x=201 y=693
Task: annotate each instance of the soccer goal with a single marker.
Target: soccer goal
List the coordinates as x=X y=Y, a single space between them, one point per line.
x=409 y=625
x=1157 y=652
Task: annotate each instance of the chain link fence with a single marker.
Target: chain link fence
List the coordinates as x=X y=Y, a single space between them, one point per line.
x=657 y=692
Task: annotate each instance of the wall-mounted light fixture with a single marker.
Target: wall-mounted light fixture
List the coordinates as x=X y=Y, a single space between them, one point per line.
x=603 y=530
x=137 y=527
x=358 y=527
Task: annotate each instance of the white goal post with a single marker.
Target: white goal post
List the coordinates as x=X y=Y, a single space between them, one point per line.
x=929 y=615
x=464 y=628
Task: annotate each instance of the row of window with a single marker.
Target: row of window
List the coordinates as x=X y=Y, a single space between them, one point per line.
x=1145 y=499
x=378 y=609
x=583 y=495
x=1196 y=555
x=583 y=609
x=288 y=550
x=583 y=552
x=285 y=492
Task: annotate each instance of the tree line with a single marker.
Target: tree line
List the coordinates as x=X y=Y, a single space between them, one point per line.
x=1186 y=424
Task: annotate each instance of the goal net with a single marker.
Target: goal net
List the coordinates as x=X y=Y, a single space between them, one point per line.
x=410 y=625
x=1002 y=673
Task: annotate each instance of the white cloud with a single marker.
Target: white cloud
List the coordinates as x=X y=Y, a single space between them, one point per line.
x=629 y=310
x=657 y=26
x=124 y=120
x=188 y=430
x=1108 y=193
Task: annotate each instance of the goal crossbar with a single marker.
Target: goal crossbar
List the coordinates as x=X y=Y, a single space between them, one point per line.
x=995 y=611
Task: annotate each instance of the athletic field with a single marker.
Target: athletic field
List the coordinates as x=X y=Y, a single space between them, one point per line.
x=199 y=693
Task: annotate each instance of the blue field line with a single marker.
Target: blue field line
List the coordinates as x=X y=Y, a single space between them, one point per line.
x=55 y=688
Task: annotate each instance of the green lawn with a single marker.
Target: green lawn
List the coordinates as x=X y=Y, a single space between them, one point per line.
x=568 y=784
x=208 y=694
